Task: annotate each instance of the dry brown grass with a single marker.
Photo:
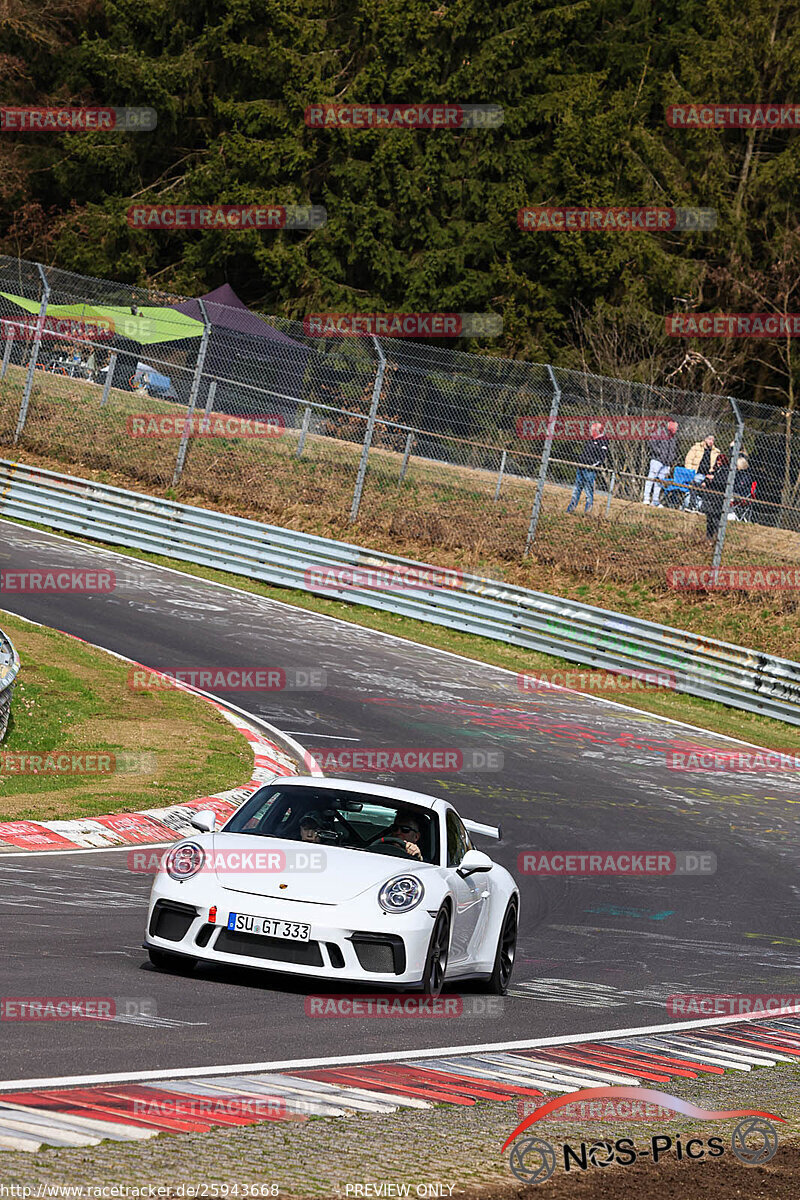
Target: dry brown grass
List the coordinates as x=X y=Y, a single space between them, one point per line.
x=440 y=514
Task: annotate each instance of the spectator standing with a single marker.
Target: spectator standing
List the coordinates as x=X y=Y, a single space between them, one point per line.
x=593 y=455
x=742 y=487
x=714 y=487
x=662 y=458
x=701 y=457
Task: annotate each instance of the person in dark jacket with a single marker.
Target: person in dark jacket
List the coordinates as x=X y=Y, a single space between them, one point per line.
x=742 y=487
x=714 y=495
x=593 y=455
x=662 y=455
x=663 y=451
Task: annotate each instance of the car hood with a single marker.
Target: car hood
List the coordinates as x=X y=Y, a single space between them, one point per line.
x=313 y=874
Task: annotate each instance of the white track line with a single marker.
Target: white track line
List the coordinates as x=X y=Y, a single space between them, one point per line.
x=394 y=1056
x=390 y=1056
x=266 y=727
x=272 y=730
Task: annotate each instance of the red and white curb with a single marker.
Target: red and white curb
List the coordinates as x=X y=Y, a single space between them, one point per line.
x=53 y=1115
x=156 y=826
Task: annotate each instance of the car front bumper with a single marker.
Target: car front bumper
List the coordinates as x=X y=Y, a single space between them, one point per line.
x=350 y=942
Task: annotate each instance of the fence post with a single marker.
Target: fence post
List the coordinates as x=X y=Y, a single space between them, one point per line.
x=6 y=355
x=37 y=341
x=548 y=445
x=406 y=456
x=112 y=366
x=373 y=412
x=500 y=476
x=198 y=372
x=611 y=491
x=726 y=503
x=301 y=444
x=212 y=391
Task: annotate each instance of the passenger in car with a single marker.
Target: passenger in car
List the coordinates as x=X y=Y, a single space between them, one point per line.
x=309 y=828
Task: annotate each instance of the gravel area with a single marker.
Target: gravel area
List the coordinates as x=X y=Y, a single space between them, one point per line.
x=444 y=1151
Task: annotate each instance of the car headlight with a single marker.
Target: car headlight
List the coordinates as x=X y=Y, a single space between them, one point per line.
x=185 y=860
x=401 y=894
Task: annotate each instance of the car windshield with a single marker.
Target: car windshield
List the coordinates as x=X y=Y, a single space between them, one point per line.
x=352 y=820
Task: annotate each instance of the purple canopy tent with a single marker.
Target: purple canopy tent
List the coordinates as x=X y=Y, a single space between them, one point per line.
x=245 y=349
x=226 y=311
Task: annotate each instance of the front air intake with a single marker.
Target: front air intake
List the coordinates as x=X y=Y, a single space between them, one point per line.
x=380 y=953
x=171 y=920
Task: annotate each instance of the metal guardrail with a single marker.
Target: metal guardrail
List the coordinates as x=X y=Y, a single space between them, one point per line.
x=714 y=670
x=9 y=669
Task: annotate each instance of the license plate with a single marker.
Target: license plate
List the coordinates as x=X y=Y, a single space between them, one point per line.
x=295 y=931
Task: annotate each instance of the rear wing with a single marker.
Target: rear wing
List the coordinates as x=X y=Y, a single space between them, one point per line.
x=484 y=830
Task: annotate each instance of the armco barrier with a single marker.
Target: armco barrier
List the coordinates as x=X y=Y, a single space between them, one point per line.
x=9 y=669
x=714 y=670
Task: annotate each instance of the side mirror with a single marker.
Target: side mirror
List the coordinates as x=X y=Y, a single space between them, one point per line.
x=473 y=862
x=205 y=820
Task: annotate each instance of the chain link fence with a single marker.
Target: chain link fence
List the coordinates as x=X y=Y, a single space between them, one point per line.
x=420 y=445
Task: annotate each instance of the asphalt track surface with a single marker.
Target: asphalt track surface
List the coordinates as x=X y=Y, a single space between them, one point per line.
x=578 y=774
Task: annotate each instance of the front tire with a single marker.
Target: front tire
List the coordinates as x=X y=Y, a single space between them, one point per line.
x=436 y=958
x=165 y=961
x=498 y=981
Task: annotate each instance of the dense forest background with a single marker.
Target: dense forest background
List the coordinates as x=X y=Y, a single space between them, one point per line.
x=427 y=220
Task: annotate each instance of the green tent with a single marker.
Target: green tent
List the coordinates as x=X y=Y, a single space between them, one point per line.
x=149 y=327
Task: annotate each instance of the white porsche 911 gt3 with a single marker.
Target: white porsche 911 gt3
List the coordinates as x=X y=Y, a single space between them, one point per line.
x=341 y=880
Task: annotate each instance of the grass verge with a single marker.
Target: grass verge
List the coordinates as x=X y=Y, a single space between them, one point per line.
x=161 y=747
x=706 y=714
